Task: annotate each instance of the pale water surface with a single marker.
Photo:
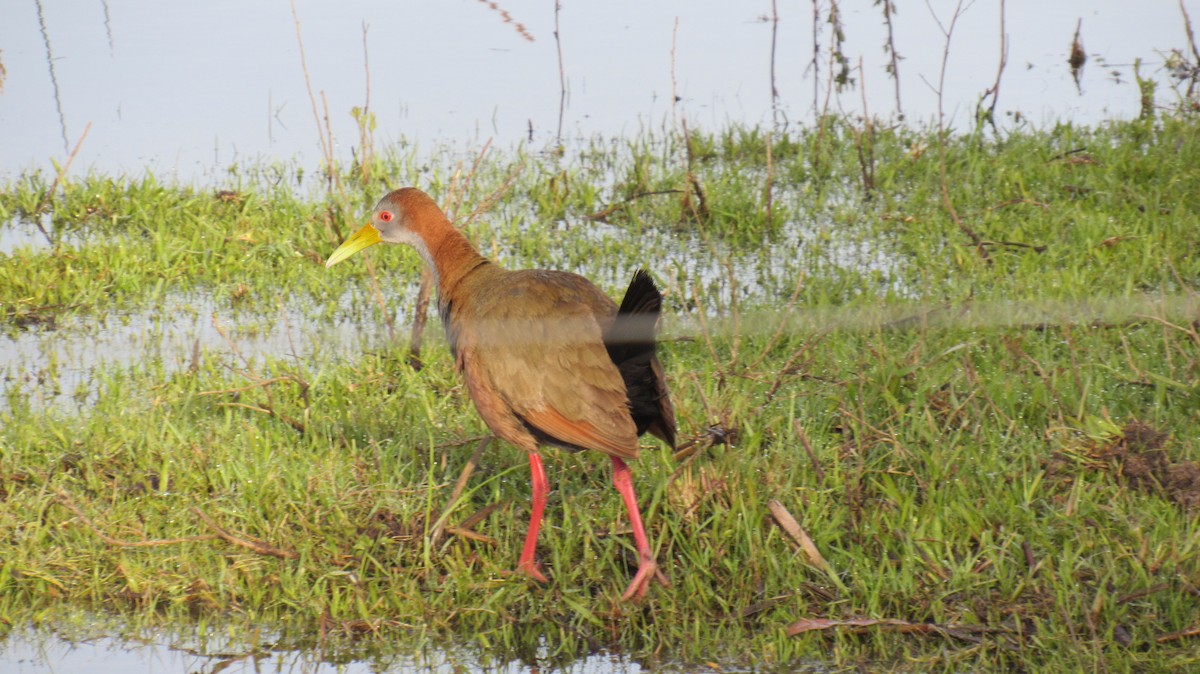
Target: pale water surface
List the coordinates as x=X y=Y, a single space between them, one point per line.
x=187 y=89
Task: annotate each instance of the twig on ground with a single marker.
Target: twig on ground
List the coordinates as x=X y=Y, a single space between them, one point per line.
x=1015 y=244
x=269 y=407
x=962 y=632
x=602 y=215
x=479 y=516
x=65 y=501
x=797 y=533
x=257 y=546
x=1193 y=631
x=439 y=525
x=808 y=449
x=463 y=532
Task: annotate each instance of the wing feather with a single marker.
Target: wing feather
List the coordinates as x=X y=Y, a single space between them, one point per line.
x=534 y=342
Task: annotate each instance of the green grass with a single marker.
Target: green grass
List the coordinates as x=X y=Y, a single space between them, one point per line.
x=968 y=473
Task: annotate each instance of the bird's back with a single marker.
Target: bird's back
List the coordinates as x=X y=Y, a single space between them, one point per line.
x=530 y=345
x=547 y=352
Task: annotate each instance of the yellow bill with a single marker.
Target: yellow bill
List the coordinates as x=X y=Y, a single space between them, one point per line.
x=364 y=238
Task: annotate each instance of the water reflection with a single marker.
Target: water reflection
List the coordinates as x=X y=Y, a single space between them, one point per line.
x=40 y=651
x=62 y=117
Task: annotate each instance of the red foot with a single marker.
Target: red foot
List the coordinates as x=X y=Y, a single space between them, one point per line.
x=647 y=571
x=531 y=569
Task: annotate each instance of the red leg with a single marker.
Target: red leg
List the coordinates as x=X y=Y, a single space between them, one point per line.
x=647 y=567
x=541 y=488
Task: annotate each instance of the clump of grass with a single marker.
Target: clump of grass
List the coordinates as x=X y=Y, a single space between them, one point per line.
x=850 y=359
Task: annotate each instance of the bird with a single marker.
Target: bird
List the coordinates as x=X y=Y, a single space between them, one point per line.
x=547 y=357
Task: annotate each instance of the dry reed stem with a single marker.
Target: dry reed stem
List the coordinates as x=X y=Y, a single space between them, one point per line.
x=1193 y=631
x=679 y=118
x=768 y=191
x=59 y=177
x=799 y=536
x=326 y=147
x=769 y=182
x=824 y=113
x=968 y=633
x=994 y=90
x=416 y=334
x=698 y=209
x=562 y=78
x=240 y=389
x=947 y=203
x=333 y=178
x=1187 y=26
x=488 y=202
x=706 y=333
x=815 y=63
x=269 y=410
x=460 y=183
x=735 y=312
x=507 y=18
x=774 y=88
x=865 y=139
x=366 y=135
x=377 y=295
x=674 y=86
x=894 y=63
x=463 y=532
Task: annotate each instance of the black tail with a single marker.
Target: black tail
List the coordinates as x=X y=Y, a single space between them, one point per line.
x=631 y=341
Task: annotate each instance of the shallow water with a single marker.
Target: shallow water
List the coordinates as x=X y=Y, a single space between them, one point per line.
x=46 y=651
x=160 y=99
x=58 y=365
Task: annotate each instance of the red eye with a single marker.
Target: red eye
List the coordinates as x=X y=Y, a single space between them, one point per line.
x=385 y=216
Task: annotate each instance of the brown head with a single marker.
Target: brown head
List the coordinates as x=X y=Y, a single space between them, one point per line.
x=405 y=215
x=409 y=216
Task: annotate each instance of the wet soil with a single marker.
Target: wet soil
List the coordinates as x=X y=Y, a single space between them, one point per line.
x=1138 y=456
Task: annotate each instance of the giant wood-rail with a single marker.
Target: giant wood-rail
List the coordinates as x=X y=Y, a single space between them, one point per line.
x=547 y=357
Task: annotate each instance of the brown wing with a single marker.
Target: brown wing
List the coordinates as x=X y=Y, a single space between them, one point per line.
x=531 y=348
